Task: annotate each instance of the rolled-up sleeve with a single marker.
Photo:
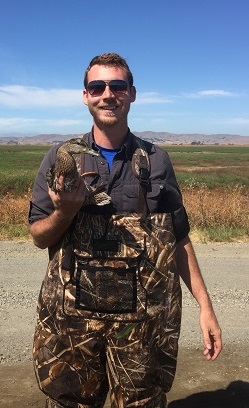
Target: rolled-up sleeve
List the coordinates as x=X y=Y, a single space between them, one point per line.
x=171 y=201
x=180 y=223
x=41 y=205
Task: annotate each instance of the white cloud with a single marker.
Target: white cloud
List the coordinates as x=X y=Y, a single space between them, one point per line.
x=239 y=121
x=18 y=122
x=209 y=93
x=147 y=98
x=18 y=96
x=215 y=92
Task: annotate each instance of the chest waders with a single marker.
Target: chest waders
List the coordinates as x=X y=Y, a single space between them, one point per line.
x=109 y=310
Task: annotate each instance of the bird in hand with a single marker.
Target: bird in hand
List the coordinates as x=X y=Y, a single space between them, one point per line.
x=65 y=165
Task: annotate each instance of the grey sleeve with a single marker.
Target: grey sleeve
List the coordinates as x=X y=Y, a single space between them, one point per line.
x=173 y=203
x=180 y=223
x=41 y=205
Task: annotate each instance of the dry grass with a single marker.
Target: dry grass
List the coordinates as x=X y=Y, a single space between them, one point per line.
x=220 y=214
x=14 y=217
x=217 y=213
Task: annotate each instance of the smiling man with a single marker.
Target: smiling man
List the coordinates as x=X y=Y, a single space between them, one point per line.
x=108 y=94
x=101 y=97
x=109 y=309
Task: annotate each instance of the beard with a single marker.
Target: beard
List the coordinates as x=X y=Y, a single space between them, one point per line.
x=101 y=118
x=109 y=118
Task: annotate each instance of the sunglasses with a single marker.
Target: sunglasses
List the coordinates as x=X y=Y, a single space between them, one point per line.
x=97 y=88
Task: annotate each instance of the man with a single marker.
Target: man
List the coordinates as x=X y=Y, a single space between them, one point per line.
x=110 y=305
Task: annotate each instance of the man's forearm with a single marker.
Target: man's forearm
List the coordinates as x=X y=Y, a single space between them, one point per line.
x=48 y=231
x=190 y=273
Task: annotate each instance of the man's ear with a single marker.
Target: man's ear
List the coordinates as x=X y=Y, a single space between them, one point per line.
x=133 y=93
x=85 y=97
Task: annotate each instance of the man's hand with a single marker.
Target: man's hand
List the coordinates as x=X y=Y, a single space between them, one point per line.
x=68 y=203
x=211 y=333
x=48 y=231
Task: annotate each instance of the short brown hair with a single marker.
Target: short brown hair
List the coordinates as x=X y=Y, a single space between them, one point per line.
x=110 y=59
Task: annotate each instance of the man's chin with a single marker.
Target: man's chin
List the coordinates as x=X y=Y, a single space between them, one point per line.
x=109 y=122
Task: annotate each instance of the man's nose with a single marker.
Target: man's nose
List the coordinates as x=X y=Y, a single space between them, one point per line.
x=108 y=92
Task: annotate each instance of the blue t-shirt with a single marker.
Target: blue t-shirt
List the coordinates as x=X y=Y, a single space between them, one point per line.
x=109 y=154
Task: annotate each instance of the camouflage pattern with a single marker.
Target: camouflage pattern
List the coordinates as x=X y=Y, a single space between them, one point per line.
x=109 y=314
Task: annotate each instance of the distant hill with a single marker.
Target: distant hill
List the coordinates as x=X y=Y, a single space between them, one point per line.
x=164 y=138
x=175 y=138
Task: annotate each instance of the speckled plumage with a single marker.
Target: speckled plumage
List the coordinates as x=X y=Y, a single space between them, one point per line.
x=65 y=165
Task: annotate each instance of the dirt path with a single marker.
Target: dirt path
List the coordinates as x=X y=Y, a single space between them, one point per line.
x=223 y=383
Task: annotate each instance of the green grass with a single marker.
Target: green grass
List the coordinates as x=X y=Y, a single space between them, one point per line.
x=221 y=233
x=18 y=167
x=211 y=180
x=213 y=166
x=208 y=149
x=13 y=231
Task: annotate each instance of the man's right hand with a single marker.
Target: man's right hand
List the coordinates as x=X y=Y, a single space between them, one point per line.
x=48 y=231
x=68 y=203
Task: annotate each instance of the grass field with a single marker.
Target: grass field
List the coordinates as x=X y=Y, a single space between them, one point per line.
x=213 y=166
x=214 y=181
x=18 y=167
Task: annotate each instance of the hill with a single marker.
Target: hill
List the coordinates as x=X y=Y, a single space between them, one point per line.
x=164 y=138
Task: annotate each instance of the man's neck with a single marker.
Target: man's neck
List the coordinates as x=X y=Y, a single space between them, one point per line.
x=109 y=138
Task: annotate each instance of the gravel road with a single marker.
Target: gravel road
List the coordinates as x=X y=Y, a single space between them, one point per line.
x=223 y=383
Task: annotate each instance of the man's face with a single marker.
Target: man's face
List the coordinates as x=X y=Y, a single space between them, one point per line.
x=109 y=108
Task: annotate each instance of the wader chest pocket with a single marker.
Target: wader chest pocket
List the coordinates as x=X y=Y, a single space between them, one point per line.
x=106 y=288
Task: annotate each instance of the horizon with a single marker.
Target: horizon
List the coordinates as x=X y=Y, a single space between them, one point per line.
x=25 y=134
x=189 y=61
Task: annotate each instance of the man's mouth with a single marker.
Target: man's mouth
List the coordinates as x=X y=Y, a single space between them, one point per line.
x=109 y=108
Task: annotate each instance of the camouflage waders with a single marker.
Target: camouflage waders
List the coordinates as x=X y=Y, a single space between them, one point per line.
x=109 y=314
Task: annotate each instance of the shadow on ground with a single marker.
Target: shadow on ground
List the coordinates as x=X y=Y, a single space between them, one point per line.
x=236 y=395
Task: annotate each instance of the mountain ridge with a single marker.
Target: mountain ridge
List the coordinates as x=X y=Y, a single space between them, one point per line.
x=163 y=138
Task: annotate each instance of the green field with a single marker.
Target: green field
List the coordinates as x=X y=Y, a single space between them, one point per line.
x=18 y=167
x=214 y=181
x=213 y=166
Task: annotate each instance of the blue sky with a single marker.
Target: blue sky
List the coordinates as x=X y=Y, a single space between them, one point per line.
x=189 y=58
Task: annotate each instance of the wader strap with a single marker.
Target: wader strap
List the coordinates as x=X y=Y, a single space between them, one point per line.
x=141 y=169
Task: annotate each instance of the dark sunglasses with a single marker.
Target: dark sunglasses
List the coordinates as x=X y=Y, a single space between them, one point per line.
x=97 y=88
